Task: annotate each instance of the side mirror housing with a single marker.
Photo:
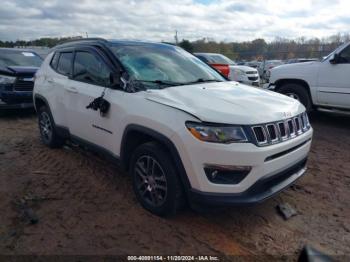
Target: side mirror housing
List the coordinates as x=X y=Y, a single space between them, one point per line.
x=335 y=59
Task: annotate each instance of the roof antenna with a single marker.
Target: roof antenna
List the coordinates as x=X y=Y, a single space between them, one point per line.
x=176 y=38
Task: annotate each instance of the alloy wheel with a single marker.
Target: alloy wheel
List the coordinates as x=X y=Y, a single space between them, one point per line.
x=45 y=126
x=151 y=181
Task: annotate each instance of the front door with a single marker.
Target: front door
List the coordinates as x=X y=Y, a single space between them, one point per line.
x=334 y=81
x=91 y=77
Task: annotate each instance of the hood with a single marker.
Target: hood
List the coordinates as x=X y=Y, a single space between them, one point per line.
x=19 y=70
x=295 y=65
x=297 y=70
x=243 y=68
x=227 y=102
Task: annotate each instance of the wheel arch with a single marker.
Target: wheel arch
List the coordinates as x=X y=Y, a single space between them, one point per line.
x=40 y=101
x=135 y=135
x=281 y=82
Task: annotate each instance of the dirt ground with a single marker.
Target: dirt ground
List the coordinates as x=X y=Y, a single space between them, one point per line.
x=85 y=204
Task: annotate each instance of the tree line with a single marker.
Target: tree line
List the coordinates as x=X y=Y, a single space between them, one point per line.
x=44 y=42
x=258 y=49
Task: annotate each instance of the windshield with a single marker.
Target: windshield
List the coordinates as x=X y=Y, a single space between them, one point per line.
x=156 y=64
x=19 y=58
x=335 y=51
x=220 y=59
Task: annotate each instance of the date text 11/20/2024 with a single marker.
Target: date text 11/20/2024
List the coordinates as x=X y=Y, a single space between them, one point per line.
x=173 y=258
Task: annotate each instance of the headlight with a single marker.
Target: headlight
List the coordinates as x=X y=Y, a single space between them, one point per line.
x=7 y=79
x=216 y=133
x=239 y=72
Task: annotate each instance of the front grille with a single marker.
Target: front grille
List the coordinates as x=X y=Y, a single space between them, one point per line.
x=290 y=124
x=267 y=134
x=21 y=85
x=251 y=72
x=253 y=78
x=282 y=130
x=272 y=130
x=260 y=134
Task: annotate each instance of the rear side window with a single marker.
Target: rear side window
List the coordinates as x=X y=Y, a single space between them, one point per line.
x=91 y=69
x=54 y=60
x=65 y=63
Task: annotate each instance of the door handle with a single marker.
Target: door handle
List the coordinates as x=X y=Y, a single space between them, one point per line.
x=50 y=80
x=72 y=90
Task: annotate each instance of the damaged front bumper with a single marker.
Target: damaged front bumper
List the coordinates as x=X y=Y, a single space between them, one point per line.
x=260 y=191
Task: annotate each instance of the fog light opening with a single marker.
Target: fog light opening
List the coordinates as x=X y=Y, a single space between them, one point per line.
x=222 y=174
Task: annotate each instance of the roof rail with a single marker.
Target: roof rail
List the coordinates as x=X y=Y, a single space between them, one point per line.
x=81 y=40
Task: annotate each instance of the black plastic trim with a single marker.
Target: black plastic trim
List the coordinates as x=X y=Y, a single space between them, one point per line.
x=286 y=151
x=95 y=148
x=37 y=96
x=259 y=192
x=64 y=133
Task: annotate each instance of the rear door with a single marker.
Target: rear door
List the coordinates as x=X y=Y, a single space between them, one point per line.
x=55 y=83
x=334 y=81
x=91 y=77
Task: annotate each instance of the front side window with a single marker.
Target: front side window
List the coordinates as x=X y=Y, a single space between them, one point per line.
x=64 y=66
x=344 y=56
x=54 y=60
x=19 y=58
x=91 y=69
x=162 y=63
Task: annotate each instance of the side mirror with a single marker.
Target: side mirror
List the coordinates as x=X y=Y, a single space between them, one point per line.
x=114 y=79
x=335 y=59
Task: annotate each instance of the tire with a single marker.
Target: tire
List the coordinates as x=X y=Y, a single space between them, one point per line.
x=298 y=92
x=159 y=191
x=47 y=129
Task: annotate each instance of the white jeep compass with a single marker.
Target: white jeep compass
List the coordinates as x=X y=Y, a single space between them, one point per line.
x=181 y=130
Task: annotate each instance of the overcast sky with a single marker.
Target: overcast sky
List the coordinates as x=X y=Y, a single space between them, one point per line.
x=227 y=20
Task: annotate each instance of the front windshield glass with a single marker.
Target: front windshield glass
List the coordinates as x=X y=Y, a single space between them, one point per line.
x=220 y=59
x=163 y=64
x=19 y=58
x=335 y=51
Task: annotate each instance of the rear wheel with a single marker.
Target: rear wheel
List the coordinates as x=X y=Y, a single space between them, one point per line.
x=297 y=92
x=155 y=181
x=48 y=133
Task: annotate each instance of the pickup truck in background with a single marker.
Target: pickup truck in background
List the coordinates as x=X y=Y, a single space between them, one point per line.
x=323 y=85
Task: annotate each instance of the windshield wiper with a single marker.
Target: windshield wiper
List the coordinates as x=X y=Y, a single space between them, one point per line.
x=170 y=83
x=201 y=80
x=161 y=82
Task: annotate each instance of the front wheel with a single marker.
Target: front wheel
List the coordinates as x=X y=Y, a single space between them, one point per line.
x=297 y=92
x=155 y=181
